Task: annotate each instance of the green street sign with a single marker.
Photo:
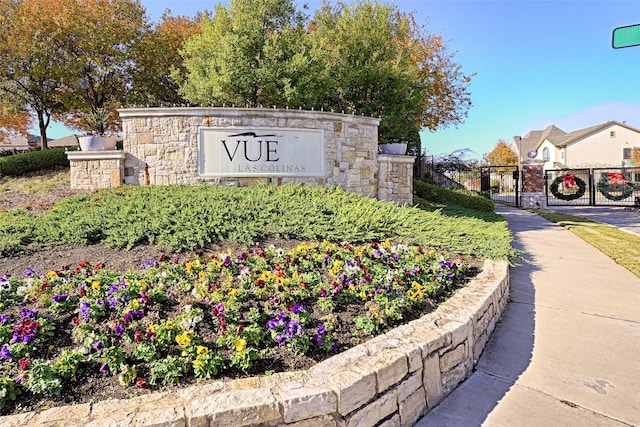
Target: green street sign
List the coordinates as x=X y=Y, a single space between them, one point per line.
x=626 y=36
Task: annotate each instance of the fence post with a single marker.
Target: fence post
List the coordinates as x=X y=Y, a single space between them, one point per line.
x=533 y=195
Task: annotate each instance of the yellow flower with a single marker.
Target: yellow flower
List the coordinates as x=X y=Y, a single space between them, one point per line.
x=198 y=363
x=143 y=286
x=234 y=292
x=135 y=303
x=95 y=285
x=241 y=345
x=52 y=274
x=169 y=324
x=202 y=350
x=363 y=295
x=189 y=266
x=184 y=339
x=337 y=267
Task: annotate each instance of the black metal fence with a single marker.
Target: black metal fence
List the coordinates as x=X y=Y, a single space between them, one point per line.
x=593 y=187
x=502 y=183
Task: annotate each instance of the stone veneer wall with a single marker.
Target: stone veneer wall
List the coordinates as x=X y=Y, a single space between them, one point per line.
x=395 y=178
x=391 y=380
x=96 y=169
x=166 y=140
x=162 y=148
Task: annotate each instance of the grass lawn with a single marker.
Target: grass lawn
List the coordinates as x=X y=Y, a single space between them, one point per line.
x=617 y=244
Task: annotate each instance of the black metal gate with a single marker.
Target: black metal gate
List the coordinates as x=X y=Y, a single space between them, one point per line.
x=502 y=183
x=593 y=187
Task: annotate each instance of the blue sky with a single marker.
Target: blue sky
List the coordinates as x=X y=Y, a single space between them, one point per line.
x=537 y=63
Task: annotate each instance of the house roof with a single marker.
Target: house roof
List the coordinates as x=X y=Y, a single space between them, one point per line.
x=533 y=139
x=67 y=141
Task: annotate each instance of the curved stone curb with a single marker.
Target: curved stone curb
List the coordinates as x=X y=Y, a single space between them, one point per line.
x=394 y=378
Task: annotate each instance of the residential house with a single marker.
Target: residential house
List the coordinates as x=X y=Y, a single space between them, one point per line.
x=14 y=144
x=609 y=144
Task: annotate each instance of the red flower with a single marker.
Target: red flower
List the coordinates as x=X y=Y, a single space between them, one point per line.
x=141 y=383
x=24 y=363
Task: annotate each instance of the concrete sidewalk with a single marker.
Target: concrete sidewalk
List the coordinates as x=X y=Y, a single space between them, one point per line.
x=567 y=350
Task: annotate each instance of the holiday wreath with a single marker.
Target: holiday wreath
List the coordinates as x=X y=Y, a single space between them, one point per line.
x=572 y=187
x=615 y=179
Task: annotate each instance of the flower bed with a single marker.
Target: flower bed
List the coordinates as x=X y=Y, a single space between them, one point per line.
x=221 y=315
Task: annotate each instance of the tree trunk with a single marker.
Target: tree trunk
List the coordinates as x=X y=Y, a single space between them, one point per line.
x=43 y=124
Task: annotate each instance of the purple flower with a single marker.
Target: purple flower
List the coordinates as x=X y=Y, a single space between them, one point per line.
x=281 y=339
x=104 y=368
x=5 y=319
x=227 y=262
x=322 y=292
x=112 y=290
x=84 y=310
x=60 y=297
x=98 y=348
x=29 y=314
x=298 y=308
x=5 y=353
x=29 y=272
x=321 y=329
x=278 y=321
x=119 y=330
x=294 y=329
x=132 y=315
x=149 y=263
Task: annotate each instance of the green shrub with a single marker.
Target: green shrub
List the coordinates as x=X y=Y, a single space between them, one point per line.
x=180 y=218
x=20 y=164
x=467 y=199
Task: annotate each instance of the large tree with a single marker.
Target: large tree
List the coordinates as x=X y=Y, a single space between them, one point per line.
x=101 y=57
x=33 y=68
x=247 y=54
x=158 y=56
x=364 y=58
x=69 y=59
x=501 y=155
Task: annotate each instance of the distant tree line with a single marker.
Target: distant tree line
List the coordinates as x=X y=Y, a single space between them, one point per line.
x=77 y=61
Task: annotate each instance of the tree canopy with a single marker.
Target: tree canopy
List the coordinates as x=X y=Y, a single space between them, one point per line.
x=365 y=58
x=501 y=155
x=78 y=61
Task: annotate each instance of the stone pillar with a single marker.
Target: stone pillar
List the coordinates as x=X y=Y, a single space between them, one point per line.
x=395 y=178
x=96 y=169
x=533 y=195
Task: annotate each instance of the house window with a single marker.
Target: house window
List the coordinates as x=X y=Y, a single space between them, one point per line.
x=612 y=134
x=545 y=154
x=626 y=153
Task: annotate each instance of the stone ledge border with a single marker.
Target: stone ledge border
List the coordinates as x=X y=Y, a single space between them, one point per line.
x=391 y=380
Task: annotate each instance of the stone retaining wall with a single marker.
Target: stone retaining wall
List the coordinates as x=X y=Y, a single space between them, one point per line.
x=391 y=380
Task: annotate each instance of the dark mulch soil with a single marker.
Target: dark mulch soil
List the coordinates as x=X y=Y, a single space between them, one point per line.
x=91 y=385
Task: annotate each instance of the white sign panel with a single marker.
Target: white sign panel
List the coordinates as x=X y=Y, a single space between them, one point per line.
x=273 y=152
